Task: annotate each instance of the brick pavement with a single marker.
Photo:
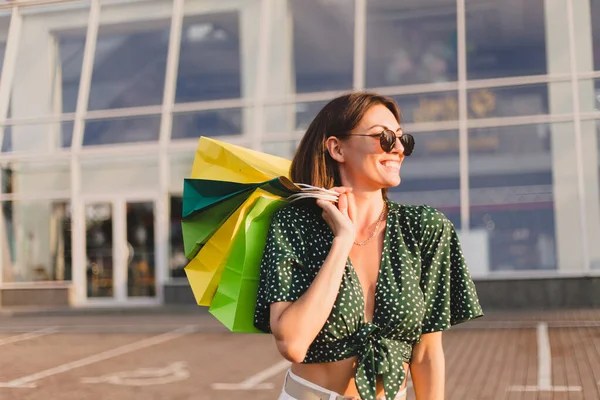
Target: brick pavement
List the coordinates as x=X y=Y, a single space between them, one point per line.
x=95 y=357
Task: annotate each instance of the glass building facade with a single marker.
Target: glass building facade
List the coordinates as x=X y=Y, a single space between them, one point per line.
x=102 y=103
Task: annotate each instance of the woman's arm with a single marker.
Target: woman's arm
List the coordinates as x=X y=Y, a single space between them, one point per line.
x=427 y=367
x=296 y=324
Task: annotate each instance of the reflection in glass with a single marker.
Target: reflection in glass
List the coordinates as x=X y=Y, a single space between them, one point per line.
x=2 y=49
x=177 y=259
x=129 y=66
x=99 y=250
x=595 y=15
x=511 y=195
x=513 y=101
x=431 y=174
x=68 y=68
x=323 y=44
x=505 y=40
x=4 y=25
x=44 y=137
x=121 y=130
x=410 y=43
x=511 y=140
x=141 y=268
x=192 y=125
x=285 y=149
x=210 y=60
x=306 y=112
x=428 y=107
x=282 y=121
x=36 y=240
x=589 y=95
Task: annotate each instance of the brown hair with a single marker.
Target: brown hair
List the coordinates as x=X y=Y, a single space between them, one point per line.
x=312 y=163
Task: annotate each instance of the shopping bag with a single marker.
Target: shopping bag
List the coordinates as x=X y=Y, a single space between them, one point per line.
x=235 y=299
x=222 y=161
x=199 y=228
x=205 y=209
x=205 y=269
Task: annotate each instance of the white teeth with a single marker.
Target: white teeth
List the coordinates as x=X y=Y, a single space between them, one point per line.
x=391 y=164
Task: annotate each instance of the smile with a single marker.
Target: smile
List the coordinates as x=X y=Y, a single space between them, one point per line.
x=391 y=164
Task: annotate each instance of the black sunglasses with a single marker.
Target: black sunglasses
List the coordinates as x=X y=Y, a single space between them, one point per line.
x=387 y=140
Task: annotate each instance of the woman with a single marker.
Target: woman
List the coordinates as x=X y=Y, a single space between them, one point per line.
x=356 y=292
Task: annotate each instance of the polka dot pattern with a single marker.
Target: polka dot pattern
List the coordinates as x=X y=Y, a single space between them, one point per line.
x=423 y=286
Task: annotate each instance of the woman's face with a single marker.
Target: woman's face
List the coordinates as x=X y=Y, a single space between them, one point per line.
x=364 y=165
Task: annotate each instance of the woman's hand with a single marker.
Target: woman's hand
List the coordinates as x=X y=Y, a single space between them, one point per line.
x=339 y=217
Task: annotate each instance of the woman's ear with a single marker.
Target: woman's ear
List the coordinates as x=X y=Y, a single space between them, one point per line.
x=334 y=147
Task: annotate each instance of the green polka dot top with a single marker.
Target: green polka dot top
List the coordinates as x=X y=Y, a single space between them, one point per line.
x=423 y=286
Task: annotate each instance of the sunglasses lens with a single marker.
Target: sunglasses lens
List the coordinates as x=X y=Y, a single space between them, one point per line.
x=408 y=141
x=387 y=141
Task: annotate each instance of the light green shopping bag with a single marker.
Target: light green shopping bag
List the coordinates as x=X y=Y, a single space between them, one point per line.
x=235 y=299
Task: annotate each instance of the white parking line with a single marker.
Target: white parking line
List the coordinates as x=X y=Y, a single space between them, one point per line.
x=30 y=381
x=255 y=382
x=29 y=335
x=544 y=367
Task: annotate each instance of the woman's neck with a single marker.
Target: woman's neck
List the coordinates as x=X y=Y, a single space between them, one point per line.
x=366 y=209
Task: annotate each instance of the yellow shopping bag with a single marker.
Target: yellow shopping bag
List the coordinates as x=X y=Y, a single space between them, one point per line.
x=222 y=161
x=205 y=270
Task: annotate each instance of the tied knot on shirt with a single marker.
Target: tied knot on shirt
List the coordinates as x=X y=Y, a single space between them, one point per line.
x=376 y=358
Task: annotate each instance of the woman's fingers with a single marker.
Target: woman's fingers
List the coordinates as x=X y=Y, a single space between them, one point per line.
x=343 y=204
x=342 y=189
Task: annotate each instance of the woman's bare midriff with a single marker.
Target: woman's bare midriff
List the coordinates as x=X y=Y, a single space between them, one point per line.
x=337 y=376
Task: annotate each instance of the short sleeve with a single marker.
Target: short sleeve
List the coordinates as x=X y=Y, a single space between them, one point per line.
x=282 y=274
x=449 y=292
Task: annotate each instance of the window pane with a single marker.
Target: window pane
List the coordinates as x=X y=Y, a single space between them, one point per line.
x=323 y=35
x=47 y=74
x=428 y=107
x=99 y=246
x=595 y=15
x=431 y=174
x=141 y=268
x=129 y=64
x=36 y=240
x=505 y=40
x=180 y=167
x=68 y=67
x=121 y=130
x=519 y=100
x=511 y=195
x=410 y=42
x=38 y=177
x=177 y=259
x=119 y=173
x=591 y=130
x=37 y=137
x=284 y=122
x=209 y=60
x=4 y=25
x=192 y=125
x=589 y=95
x=284 y=148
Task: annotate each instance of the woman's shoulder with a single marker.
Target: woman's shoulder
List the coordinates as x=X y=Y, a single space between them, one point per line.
x=421 y=216
x=297 y=213
x=417 y=212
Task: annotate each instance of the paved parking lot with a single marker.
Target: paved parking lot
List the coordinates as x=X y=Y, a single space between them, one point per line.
x=502 y=356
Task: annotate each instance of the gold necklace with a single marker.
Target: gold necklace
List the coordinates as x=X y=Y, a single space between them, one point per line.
x=379 y=221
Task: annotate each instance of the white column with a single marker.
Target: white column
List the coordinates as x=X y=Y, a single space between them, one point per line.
x=279 y=120
x=577 y=220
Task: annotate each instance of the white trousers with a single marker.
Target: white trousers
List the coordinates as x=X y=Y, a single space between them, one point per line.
x=332 y=395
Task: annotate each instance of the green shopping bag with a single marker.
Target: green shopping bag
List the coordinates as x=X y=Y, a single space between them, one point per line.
x=208 y=203
x=200 y=227
x=235 y=299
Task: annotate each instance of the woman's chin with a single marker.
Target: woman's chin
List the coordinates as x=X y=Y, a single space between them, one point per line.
x=392 y=182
